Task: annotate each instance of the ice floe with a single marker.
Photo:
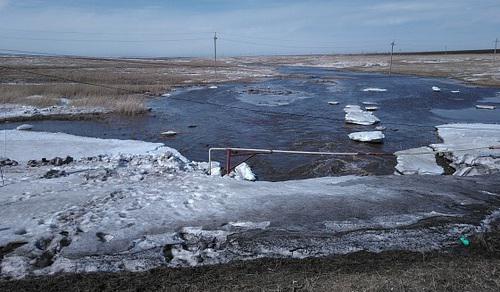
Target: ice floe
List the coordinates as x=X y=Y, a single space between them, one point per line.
x=369 y=136
x=355 y=115
x=470 y=149
x=169 y=133
x=243 y=172
x=374 y=89
x=24 y=127
x=420 y=160
x=485 y=106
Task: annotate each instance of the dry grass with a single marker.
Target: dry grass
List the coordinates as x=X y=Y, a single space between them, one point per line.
x=128 y=105
x=122 y=87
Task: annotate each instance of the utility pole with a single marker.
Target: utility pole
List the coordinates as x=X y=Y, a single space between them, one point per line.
x=495 y=51
x=215 y=54
x=392 y=53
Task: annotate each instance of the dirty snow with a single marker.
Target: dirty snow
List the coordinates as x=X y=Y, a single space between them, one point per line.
x=139 y=205
x=24 y=146
x=15 y=112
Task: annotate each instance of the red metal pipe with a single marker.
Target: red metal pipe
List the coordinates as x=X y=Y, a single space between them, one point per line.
x=228 y=161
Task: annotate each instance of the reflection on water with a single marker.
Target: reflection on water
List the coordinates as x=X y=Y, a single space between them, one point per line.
x=409 y=109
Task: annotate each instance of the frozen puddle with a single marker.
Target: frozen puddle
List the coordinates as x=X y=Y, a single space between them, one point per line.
x=270 y=96
x=143 y=205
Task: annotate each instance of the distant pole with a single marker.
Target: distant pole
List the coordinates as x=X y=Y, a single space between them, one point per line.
x=392 y=53
x=495 y=51
x=215 y=54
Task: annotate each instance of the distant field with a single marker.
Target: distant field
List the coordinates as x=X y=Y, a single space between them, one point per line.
x=119 y=84
x=125 y=83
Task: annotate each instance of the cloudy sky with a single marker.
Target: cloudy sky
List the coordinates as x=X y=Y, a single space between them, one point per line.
x=245 y=27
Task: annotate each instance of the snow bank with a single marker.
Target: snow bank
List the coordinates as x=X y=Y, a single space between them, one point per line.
x=14 y=112
x=355 y=115
x=25 y=145
x=420 y=160
x=153 y=207
x=372 y=136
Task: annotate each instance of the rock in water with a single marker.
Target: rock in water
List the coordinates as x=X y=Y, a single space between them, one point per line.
x=24 y=127
x=371 y=136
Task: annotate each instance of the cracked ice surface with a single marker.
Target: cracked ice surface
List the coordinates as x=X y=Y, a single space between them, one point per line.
x=467 y=147
x=133 y=212
x=421 y=160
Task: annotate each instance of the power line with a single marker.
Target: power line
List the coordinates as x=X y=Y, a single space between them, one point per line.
x=101 y=40
x=108 y=33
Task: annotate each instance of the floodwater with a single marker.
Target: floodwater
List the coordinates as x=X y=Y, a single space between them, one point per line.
x=292 y=113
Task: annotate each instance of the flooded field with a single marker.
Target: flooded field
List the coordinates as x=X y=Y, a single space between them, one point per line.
x=292 y=113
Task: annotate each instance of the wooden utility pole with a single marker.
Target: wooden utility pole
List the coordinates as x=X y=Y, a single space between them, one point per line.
x=215 y=54
x=392 y=53
x=495 y=51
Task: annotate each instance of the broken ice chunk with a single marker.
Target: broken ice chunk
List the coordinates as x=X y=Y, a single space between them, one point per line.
x=370 y=136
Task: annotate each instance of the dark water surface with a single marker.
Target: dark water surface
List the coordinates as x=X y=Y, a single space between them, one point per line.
x=292 y=113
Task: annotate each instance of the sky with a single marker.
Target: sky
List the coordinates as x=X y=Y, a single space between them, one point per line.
x=245 y=27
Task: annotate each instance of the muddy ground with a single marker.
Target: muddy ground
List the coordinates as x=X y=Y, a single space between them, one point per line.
x=460 y=268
